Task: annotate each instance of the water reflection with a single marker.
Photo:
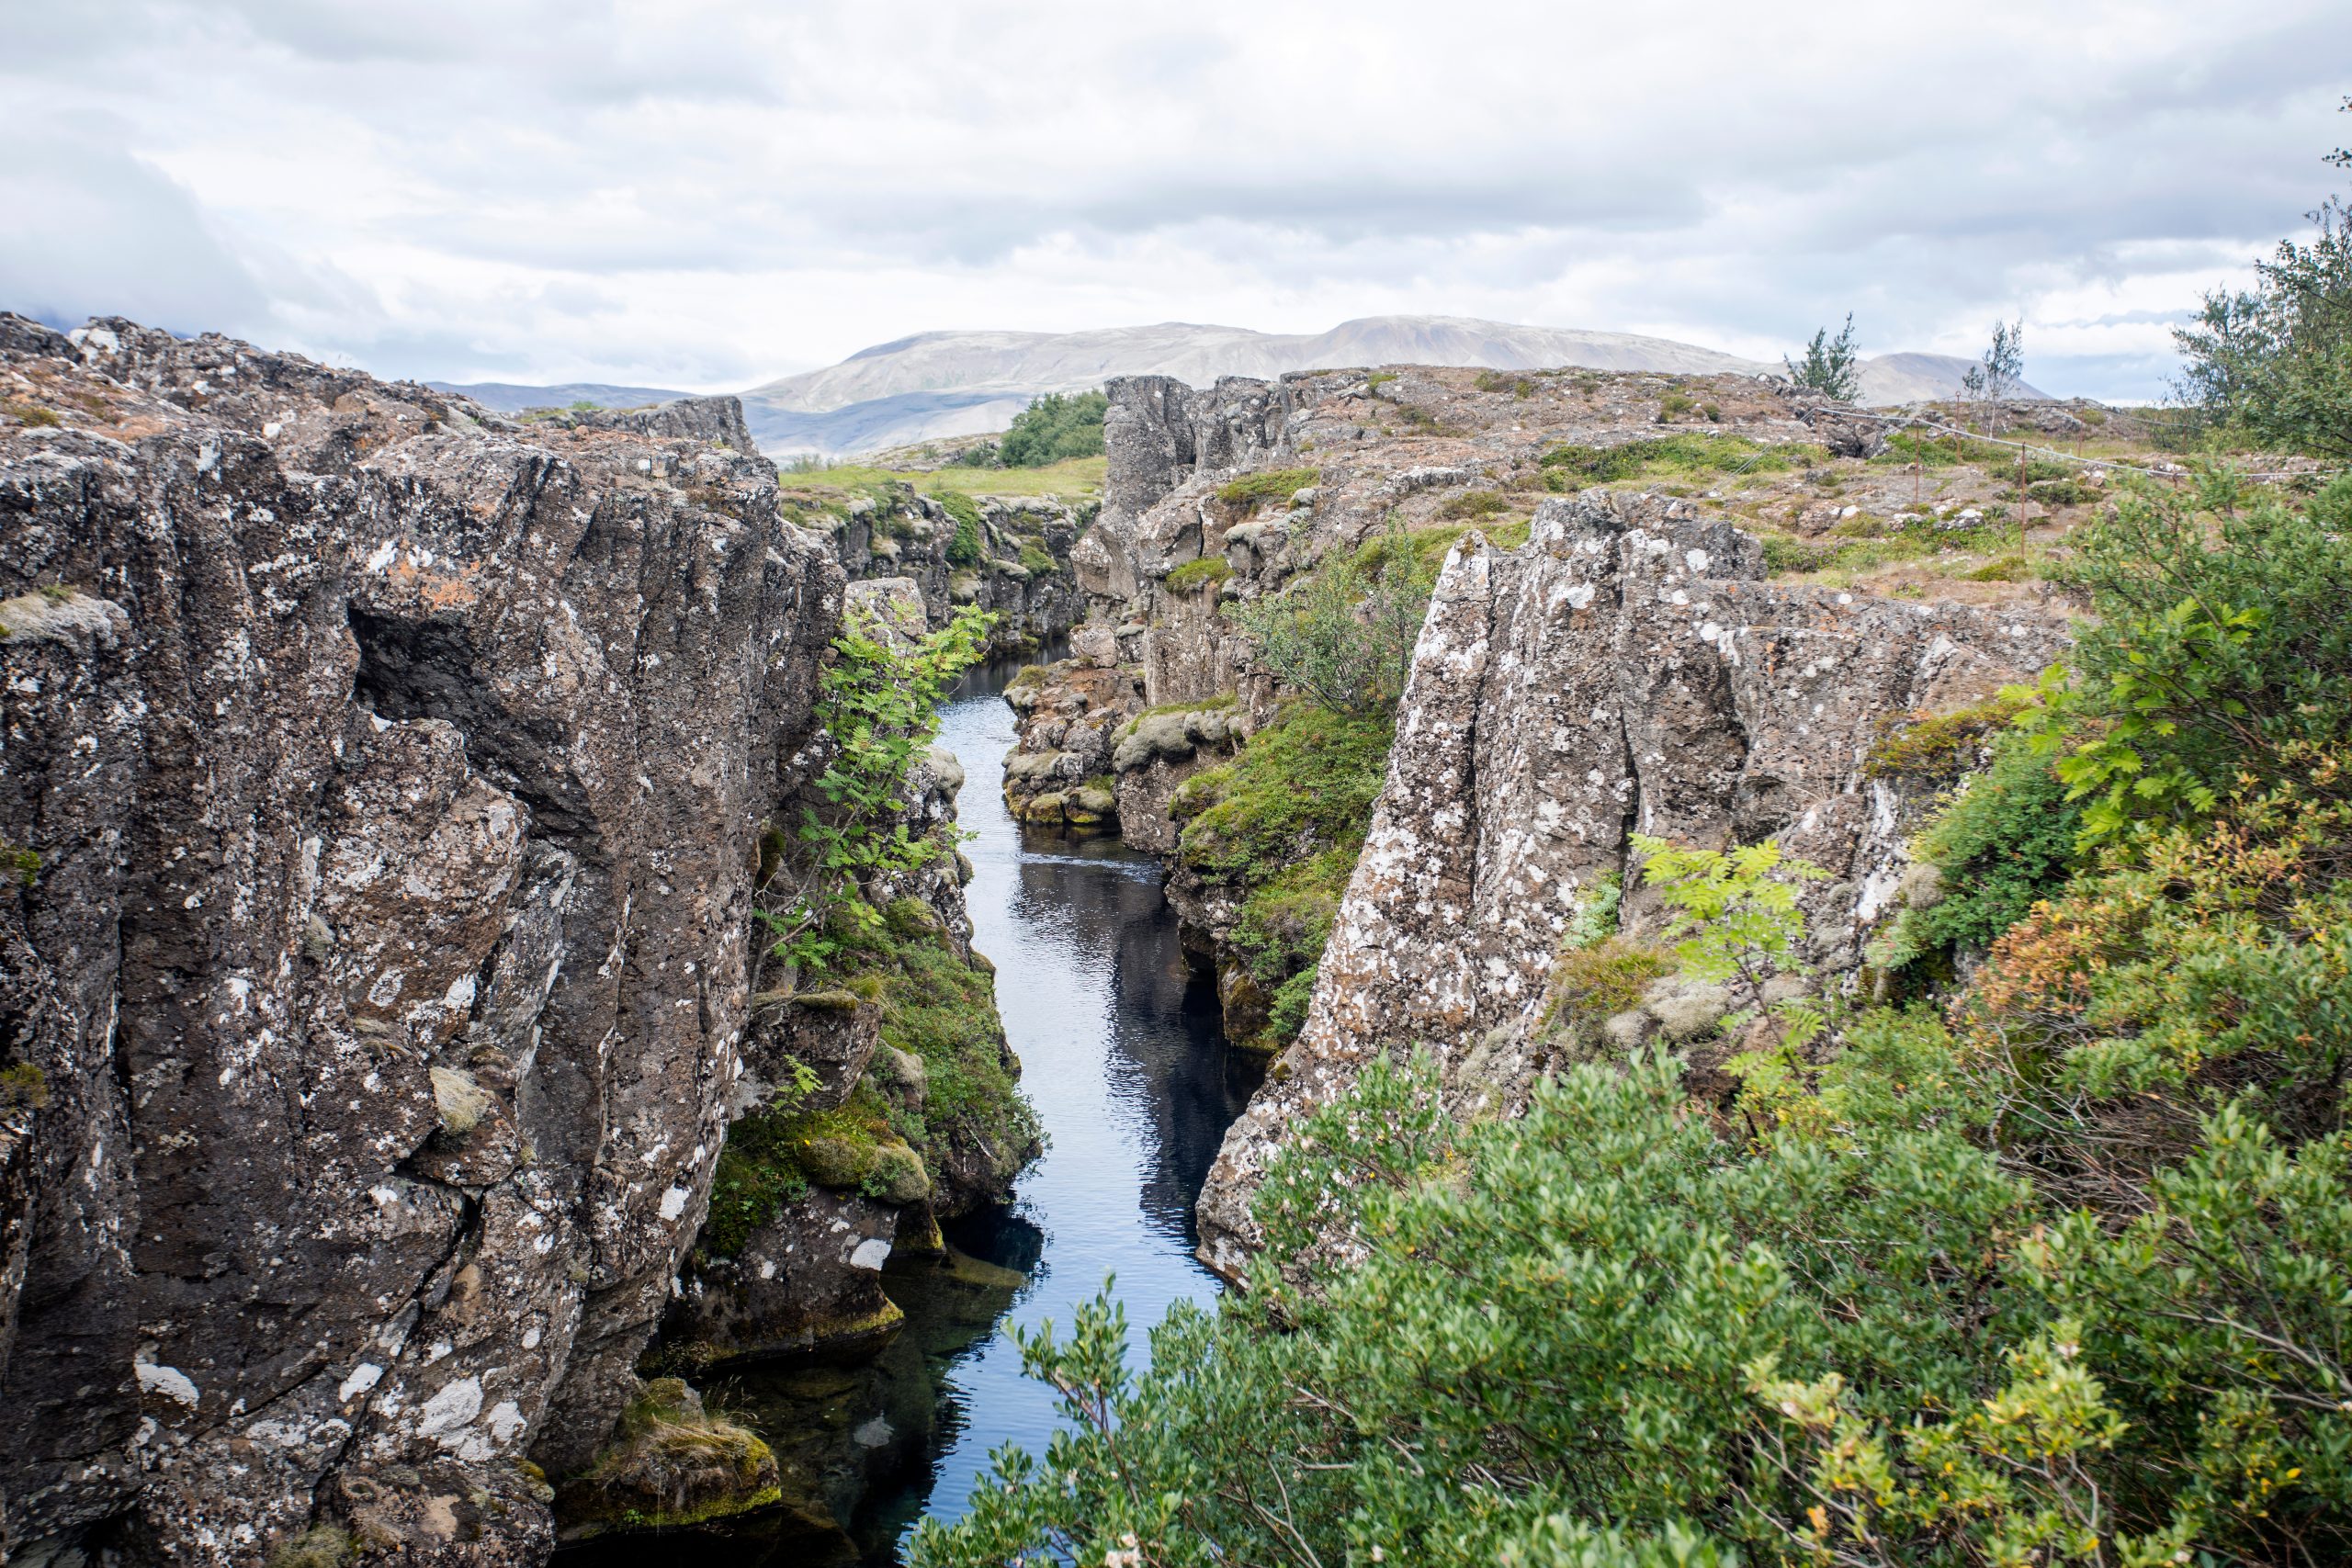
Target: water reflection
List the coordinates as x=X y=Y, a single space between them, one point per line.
x=1121 y=1052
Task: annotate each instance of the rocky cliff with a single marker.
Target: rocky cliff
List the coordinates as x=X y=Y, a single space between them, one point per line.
x=383 y=782
x=1628 y=670
x=1007 y=555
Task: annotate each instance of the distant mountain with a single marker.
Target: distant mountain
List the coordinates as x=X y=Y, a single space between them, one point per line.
x=956 y=383
x=511 y=396
x=960 y=383
x=1911 y=377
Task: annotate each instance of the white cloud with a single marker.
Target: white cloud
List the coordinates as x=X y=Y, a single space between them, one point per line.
x=705 y=194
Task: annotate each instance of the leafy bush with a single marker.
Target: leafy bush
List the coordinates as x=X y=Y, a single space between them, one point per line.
x=2005 y=843
x=1344 y=635
x=1054 y=427
x=2276 y=362
x=2221 y=650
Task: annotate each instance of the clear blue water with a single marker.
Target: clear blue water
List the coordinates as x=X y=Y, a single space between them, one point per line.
x=1121 y=1055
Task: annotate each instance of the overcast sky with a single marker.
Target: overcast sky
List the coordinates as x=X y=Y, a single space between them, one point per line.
x=705 y=195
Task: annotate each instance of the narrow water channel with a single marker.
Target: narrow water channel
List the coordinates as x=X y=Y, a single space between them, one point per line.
x=1122 y=1053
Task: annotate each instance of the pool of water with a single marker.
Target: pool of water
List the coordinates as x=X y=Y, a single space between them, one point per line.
x=1122 y=1055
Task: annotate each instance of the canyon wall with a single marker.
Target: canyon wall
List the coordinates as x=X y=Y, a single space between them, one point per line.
x=1625 y=671
x=383 y=782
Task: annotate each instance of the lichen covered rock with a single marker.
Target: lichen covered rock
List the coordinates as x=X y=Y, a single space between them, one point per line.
x=1626 y=669
x=393 y=773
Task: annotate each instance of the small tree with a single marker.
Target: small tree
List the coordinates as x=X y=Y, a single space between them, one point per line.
x=1053 y=428
x=2276 y=363
x=1830 y=366
x=1999 y=372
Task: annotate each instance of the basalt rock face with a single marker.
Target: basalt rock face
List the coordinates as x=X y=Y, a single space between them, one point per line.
x=1019 y=568
x=394 y=773
x=1628 y=670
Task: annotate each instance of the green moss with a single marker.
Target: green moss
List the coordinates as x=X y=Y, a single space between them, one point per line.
x=963 y=548
x=1196 y=575
x=670 y=1465
x=1036 y=560
x=1275 y=484
x=18 y=865
x=1283 y=824
x=1476 y=503
x=320 y=1546
x=1592 y=983
x=1691 y=454
x=1938 y=747
x=23 y=1086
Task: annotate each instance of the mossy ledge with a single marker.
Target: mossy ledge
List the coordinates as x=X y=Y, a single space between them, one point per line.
x=671 y=1464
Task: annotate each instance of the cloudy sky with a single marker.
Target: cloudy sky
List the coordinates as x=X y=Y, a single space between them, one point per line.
x=707 y=193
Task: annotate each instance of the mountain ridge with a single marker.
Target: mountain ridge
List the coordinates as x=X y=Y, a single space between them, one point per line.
x=949 y=382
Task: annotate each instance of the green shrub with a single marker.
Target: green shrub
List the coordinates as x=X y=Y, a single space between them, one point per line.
x=1196 y=575
x=1344 y=635
x=1673 y=406
x=1606 y=978
x=964 y=546
x=32 y=414
x=1053 y=428
x=2004 y=843
x=1252 y=490
x=2220 y=650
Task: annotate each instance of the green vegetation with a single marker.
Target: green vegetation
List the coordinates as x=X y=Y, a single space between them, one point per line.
x=2049 y=1271
x=1253 y=491
x=936 y=1008
x=320 y=1546
x=1196 y=575
x=18 y=865
x=878 y=702
x=1283 y=822
x=1036 y=560
x=1054 y=429
x=1694 y=454
x=1074 y=478
x=23 y=1087
x=1497 y=381
x=670 y=1463
x=1473 y=505
x=1344 y=635
x=1832 y=366
x=964 y=547
x=1919 y=538
x=32 y=414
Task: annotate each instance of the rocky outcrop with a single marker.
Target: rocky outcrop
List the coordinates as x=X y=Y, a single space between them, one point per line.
x=386 y=779
x=1007 y=555
x=1628 y=670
